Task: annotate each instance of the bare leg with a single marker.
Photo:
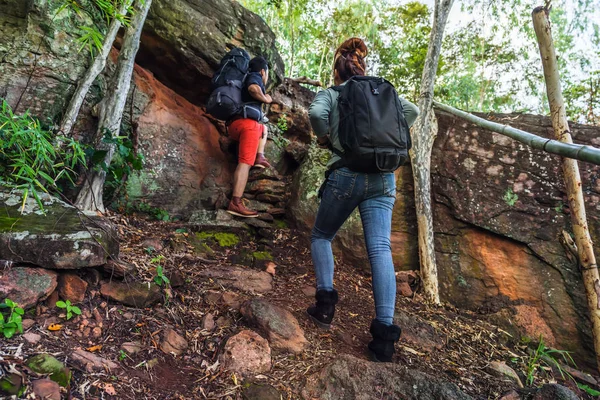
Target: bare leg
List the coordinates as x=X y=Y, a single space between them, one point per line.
x=263 y=141
x=240 y=178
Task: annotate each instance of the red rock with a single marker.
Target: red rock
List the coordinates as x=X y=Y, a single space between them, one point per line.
x=309 y=291
x=533 y=324
x=155 y=244
x=247 y=354
x=32 y=338
x=419 y=333
x=27 y=323
x=276 y=212
x=278 y=324
x=173 y=343
x=71 y=287
x=26 y=285
x=46 y=389
x=512 y=395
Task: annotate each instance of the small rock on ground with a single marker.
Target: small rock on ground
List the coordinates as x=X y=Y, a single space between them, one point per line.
x=240 y=278
x=132 y=294
x=503 y=371
x=26 y=286
x=278 y=324
x=131 y=347
x=48 y=365
x=46 y=389
x=71 y=287
x=247 y=354
x=173 y=343
x=258 y=391
x=91 y=362
x=32 y=338
x=419 y=332
x=208 y=322
x=554 y=392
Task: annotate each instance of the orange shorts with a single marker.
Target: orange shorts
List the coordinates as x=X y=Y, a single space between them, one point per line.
x=248 y=133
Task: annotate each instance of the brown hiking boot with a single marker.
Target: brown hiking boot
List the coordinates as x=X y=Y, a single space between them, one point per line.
x=261 y=162
x=237 y=207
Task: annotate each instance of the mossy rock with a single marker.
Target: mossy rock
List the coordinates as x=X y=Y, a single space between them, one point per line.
x=262 y=256
x=223 y=239
x=46 y=364
x=11 y=385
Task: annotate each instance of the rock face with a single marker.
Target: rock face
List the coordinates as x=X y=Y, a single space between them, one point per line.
x=61 y=239
x=243 y=279
x=26 y=286
x=350 y=378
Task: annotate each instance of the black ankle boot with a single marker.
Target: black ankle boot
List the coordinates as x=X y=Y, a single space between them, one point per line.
x=322 y=312
x=381 y=348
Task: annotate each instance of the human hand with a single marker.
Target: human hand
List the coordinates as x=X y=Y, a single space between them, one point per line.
x=268 y=98
x=323 y=142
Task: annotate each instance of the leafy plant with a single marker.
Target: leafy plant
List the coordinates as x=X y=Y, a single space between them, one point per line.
x=122 y=355
x=546 y=356
x=71 y=309
x=510 y=197
x=12 y=323
x=282 y=122
x=31 y=159
x=588 y=389
x=160 y=277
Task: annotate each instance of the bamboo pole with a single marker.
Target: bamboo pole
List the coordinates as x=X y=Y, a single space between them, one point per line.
x=591 y=279
x=576 y=151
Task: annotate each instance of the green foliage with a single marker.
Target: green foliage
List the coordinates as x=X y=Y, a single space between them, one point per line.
x=224 y=239
x=510 y=197
x=282 y=123
x=92 y=37
x=160 y=277
x=280 y=224
x=588 y=390
x=545 y=356
x=122 y=355
x=155 y=212
x=71 y=309
x=10 y=323
x=31 y=159
x=262 y=256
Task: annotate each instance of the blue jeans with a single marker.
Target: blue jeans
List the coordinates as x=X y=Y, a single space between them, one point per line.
x=374 y=195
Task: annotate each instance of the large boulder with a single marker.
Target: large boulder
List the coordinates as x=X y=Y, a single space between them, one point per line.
x=62 y=238
x=350 y=378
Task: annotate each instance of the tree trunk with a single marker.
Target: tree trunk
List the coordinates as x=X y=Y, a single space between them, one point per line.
x=112 y=106
x=585 y=251
x=93 y=71
x=420 y=155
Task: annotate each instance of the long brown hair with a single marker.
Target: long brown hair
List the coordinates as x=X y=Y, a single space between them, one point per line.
x=349 y=60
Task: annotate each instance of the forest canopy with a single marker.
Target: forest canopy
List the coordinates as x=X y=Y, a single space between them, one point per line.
x=489 y=63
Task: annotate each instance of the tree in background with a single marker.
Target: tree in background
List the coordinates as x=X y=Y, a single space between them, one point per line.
x=487 y=63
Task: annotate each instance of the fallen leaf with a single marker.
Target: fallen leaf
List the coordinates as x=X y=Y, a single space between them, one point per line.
x=94 y=348
x=271 y=268
x=54 y=327
x=110 y=389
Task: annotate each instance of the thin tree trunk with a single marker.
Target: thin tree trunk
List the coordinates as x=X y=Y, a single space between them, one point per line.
x=591 y=279
x=112 y=106
x=291 y=15
x=93 y=71
x=423 y=137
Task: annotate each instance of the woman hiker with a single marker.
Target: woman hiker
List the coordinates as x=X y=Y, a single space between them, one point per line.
x=373 y=193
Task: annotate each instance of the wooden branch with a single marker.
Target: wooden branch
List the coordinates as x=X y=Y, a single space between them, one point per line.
x=575 y=151
x=304 y=79
x=585 y=250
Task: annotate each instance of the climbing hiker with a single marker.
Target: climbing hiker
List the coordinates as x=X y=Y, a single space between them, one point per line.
x=365 y=124
x=248 y=129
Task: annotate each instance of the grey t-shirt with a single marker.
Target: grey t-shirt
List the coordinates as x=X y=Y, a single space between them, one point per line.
x=325 y=118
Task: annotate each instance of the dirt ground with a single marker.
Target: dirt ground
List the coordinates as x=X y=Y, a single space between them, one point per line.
x=469 y=343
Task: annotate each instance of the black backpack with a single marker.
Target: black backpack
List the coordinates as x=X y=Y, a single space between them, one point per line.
x=372 y=129
x=225 y=101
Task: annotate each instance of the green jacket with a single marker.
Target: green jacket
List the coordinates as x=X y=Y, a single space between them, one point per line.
x=325 y=118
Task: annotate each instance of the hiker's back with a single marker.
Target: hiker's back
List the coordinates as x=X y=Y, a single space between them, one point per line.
x=372 y=130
